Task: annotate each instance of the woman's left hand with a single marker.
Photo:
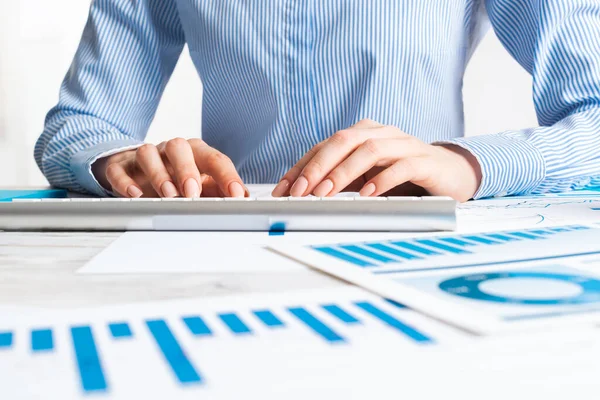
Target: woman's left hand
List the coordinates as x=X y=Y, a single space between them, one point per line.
x=376 y=159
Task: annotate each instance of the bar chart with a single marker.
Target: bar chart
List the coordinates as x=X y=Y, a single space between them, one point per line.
x=455 y=251
x=485 y=282
x=337 y=322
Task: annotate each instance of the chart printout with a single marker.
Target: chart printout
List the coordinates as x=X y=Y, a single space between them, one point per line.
x=480 y=281
x=192 y=348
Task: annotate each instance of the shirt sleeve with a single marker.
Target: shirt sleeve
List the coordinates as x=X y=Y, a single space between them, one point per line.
x=111 y=92
x=558 y=42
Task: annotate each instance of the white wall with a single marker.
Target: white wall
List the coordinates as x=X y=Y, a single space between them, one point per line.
x=38 y=39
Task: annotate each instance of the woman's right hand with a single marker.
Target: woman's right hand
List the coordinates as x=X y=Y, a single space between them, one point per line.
x=178 y=167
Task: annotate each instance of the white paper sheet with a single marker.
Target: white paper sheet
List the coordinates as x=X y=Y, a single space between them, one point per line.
x=529 y=211
x=484 y=282
x=261 y=346
x=219 y=348
x=206 y=252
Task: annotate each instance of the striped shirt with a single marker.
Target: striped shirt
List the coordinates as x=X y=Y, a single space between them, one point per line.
x=280 y=76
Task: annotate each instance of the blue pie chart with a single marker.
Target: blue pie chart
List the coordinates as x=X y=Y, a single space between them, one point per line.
x=469 y=286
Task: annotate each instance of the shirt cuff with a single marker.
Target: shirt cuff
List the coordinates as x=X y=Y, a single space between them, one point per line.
x=81 y=163
x=509 y=165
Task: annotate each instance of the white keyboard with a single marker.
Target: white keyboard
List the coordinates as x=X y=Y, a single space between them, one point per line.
x=231 y=214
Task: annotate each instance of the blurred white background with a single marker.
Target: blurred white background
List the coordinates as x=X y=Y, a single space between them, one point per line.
x=38 y=39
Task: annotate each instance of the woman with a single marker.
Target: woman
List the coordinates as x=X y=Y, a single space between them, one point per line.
x=325 y=96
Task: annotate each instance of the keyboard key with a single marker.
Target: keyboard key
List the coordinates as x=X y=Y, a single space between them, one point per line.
x=207 y=199
x=307 y=198
x=234 y=199
x=403 y=198
x=115 y=199
x=363 y=198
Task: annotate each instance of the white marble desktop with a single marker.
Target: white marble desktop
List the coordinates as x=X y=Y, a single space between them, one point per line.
x=37 y=269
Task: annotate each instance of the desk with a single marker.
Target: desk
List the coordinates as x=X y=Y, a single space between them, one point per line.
x=38 y=270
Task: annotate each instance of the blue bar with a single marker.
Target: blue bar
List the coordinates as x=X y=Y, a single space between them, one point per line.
x=172 y=351
x=579 y=228
x=120 y=330
x=88 y=361
x=6 y=339
x=415 y=248
x=268 y=318
x=330 y=251
x=340 y=314
x=235 y=324
x=559 y=229
x=481 y=239
x=525 y=235
x=503 y=238
x=41 y=340
x=396 y=304
x=394 y=323
x=316 y=325
x=393 y=251
x=456 y=241
x=541 y=232
x=367 y=253
x=442 y=246
x=197 y=326
x=277 y=229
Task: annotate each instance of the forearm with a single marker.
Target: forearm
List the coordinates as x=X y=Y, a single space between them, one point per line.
x=71 y=143
x=110 y=94
x=560 y=157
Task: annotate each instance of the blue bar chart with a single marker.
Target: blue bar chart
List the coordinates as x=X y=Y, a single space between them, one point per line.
x=457 y=251
x=328 y=323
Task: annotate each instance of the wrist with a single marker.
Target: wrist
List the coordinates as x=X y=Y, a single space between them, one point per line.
x=468 y=167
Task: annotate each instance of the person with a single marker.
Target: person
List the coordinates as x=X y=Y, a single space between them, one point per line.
x=325 y=96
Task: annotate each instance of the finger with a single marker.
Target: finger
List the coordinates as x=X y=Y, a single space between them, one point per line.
x=284 y=186
x=210 y=188
x=367 y=123
x=412 y=169
x=121 y=182
x=181 y=157
x=333 y=152
x=220 y=167
x=150 y=162
x=372 y=153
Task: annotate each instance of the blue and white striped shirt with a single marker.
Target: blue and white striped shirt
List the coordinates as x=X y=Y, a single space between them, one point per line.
x=280 y=76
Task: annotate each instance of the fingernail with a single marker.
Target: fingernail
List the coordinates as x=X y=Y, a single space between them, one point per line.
x=168 y=189
x=134 y=191
x=368 y=190
x=191 y=188
x=324 y=188
x=281 y=188
x=299 y=187
x=236 y=190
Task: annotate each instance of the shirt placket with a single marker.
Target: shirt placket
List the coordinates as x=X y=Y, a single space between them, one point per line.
x=298 y=79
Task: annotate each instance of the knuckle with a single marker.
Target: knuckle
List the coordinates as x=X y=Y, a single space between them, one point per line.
x=145 y=150
x=196 y=142
x=367 y=121
x=338 y=176
x=157 y=178
x=293 y=173
x=217 y=158
x=175 y=144
x=313 y=171
x=342 y=137
x=112 y=170
x=372 y=146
